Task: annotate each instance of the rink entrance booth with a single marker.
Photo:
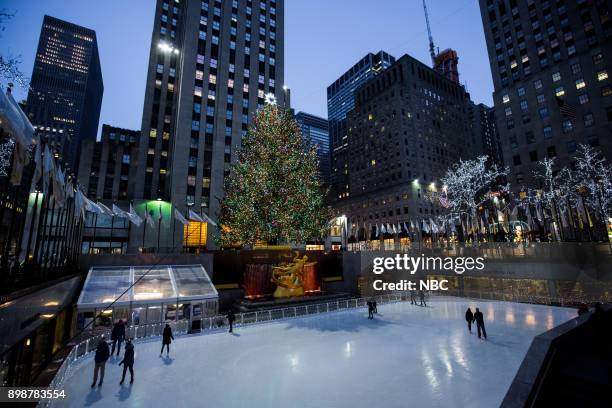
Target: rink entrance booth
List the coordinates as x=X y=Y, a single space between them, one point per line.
x=160 y=293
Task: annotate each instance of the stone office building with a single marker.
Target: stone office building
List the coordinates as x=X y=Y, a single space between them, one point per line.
x=409 y=124
x=211 y=65
x=552 y=65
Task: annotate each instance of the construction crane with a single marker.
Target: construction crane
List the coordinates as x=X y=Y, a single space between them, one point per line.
x=431 y=43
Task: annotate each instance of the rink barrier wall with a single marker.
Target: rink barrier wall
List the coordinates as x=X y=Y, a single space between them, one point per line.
x=213 y=324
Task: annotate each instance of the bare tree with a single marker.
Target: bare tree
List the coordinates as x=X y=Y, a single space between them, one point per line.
x=10 y=64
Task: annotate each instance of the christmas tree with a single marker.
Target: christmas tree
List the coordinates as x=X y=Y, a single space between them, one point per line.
x=273 y=192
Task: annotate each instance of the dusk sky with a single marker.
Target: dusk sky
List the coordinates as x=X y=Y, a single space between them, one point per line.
x=323 y=39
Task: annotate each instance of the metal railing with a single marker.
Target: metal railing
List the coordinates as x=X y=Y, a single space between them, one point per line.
x=523 y=298
x=213 y=323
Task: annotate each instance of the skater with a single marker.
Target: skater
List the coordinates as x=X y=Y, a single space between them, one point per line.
x=479 y=319
x=413 y=300
x=128 y=361
x=167 y=338
x=117 y=336
x=231 y=317
x=469 y=316
x=422 y=298
x=374 y=307
x=102 y=354
x=370 y=310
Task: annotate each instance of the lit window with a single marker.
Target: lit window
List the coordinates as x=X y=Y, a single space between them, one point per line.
x=556 y=76
x=584 y=98
x=559 y=91
x=580 y=83
x=508 y=111
x=506 y=98
x=212 y=79
x=602 y=75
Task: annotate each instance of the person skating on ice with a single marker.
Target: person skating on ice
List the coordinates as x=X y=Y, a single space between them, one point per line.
x=370 y=310
x=128 y=361
x=102 y=354
x=167 y=338
x=413 y=300
x=479 y=319
x=422 y=298
x=375 y=309
x=231 y=317
x=469 y=317
x=117 y=336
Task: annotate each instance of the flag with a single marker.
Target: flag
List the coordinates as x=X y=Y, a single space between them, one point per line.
x=376 y=231
x=514 y=214
x=58 y=186
x=134 y=217
x=38 y=169
x=566 y=109
x=48 y=166
x=79 y=204
x=119 y=212
x=434 y=227
x=425 y=226
x=383 y=229
x=91 y=206
x=412 y=225
x=194 y=216
x=179 y=217
x=104 y=209
x=148 y=218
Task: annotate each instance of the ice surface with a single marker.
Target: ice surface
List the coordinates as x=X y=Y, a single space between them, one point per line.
x=407 y=356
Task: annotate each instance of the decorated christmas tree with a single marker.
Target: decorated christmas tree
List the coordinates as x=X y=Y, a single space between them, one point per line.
x=273 y=192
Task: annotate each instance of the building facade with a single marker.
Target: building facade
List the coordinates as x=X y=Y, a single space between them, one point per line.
x=316 y=131
x=66 y=88
x=340 y=100
x=409 y=124
x=484 y=132
x=551 y=63
x=104 y=168
x=211 y=65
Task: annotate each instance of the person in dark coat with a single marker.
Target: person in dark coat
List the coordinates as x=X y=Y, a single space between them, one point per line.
x=479 y=319
x=413 y=300
x=375 y=311
x=117 y=336
x=469 y=317
x=370 y=310
x=102 y=354
x=128 y=361
x=167 y=338
x=231 y=317
x=422 y=298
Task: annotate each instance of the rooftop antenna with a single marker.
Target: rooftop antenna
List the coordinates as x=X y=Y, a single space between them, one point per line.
x=431 y=43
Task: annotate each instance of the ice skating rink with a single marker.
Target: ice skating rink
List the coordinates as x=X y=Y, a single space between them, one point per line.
x=407 y=356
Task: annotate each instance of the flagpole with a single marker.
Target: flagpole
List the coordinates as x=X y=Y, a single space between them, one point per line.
x=159 y=221
x=110 y=244
x=144 y=229
x=173 y=226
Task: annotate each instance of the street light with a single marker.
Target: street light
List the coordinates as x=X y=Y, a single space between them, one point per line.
x=167 y=48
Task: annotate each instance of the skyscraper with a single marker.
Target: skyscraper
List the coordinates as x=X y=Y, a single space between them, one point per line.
x=551 y=63
x=409 y=124
x=340 y=100
x=484 y=132
x=66 y=88
x=316 y=129
x=211 y=65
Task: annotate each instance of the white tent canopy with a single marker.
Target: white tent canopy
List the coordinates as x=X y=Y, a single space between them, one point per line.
x=161 y=284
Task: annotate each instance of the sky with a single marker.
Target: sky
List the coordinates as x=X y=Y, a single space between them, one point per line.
x=323 y=39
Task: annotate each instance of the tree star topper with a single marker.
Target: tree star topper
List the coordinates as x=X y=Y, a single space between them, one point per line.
x=270 y=99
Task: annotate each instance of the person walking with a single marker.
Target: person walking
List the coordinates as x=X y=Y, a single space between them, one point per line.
x=231 y=317
x=375 y=311
x=422 y=298
x=117 y=336
x=413 y=300
x=128 y=361
x=469 y=316
x=370 y=310
x=102 y=354
x=479 y=319
x=167 y=338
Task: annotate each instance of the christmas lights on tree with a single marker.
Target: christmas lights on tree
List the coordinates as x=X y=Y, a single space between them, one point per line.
x=273 y=192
